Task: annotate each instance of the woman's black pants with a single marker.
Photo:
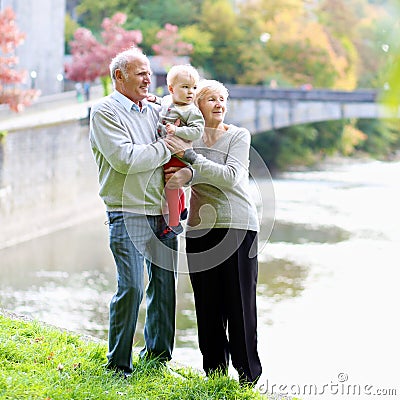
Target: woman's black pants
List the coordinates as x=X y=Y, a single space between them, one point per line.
x=223 y=270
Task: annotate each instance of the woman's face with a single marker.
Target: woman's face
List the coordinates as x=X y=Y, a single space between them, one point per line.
x=213 y=108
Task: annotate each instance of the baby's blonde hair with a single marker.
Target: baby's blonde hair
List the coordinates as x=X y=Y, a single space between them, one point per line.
x=177 y=70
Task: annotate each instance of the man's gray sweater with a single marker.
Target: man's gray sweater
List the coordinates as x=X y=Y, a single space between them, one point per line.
x=128 y=157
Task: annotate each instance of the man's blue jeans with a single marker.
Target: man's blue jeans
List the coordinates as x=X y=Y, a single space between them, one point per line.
x=133 y=243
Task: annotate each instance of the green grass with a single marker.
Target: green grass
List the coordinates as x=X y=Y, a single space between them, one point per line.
x=42 y=362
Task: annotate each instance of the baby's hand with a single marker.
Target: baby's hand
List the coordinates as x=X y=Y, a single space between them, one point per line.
x=151 y=97
x=170 y=128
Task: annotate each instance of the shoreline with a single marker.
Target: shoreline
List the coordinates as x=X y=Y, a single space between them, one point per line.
x=25 y=318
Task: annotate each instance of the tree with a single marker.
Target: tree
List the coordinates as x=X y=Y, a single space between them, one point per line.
x=177 y=12
x=223 y=64
x=91 y=59
x=391 y=56
x=340 y=25
x=327 y=43
x=201 y=42
x=91 y=13
x=170 y=44
x=69 y=29
x=10 y=38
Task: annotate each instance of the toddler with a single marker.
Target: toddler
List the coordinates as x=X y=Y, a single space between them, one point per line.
x=178 y=116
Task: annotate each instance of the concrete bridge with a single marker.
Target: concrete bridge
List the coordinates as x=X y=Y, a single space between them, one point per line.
x=257 y=108
x=260 y=109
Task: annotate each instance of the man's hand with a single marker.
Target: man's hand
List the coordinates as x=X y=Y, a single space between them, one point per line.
x=177 y=145
x=176 y=177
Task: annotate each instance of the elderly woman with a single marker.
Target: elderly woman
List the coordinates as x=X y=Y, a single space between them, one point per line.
x=221 y=238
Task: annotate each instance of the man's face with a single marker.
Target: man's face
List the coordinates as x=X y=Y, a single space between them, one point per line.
x=135 y=83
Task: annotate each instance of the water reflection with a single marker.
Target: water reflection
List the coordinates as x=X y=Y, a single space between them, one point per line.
x=67 y=279
x=74 y=301
x=299 y=233
x=279 y=279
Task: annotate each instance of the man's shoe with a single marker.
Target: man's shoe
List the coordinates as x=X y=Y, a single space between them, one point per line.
x=126 y=375
x=120 y=371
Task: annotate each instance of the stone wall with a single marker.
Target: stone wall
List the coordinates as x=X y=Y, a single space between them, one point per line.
x=48 y=180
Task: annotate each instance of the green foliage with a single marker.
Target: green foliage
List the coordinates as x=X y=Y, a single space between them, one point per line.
x=328 y=136
x=308 y=143
x=106 y=84
x=392 y=67
x=3 y=135
x=351 y=138
x=175 y=12
x=296 y=146
x=149 y=31
x=70 y=27
x=201 y=42
x=392 y=95
x=337 y=16
x=331 y=43
x=304 y=63
x=223 y=64
x=267 y=146
x=92 y=12
x=39 y=362
x=382 y=136
x=286 y=147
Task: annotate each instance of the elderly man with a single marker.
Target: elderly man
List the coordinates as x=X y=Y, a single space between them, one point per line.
x=129 y=160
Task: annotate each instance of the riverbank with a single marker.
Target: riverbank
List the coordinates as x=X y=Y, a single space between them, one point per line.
x=326 y=287
x=38 y=361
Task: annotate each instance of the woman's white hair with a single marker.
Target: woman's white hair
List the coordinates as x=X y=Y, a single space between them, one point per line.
x=207 y=86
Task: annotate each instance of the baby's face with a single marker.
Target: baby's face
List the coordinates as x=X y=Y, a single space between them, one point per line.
x=183 y=91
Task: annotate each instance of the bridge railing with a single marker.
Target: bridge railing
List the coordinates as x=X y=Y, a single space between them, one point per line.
x=260 y=108
x=263 y=92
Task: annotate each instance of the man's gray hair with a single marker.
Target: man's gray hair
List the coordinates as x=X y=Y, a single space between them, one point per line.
x=121 y=61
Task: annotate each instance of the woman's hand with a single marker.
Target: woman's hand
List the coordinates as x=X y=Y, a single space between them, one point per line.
x=176 y=145
x=176 y=177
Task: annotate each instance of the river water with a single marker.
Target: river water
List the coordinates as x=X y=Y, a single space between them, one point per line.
x=327 y=293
